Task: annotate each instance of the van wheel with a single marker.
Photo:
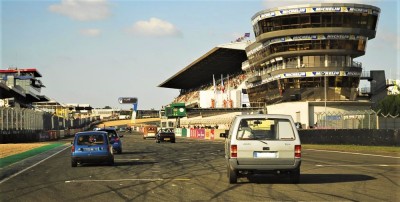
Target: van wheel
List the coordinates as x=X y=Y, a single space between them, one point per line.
x=232 y=175
x=295 y=176
x=74 y=163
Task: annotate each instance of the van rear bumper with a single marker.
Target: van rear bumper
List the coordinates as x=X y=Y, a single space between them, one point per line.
x=234 y=165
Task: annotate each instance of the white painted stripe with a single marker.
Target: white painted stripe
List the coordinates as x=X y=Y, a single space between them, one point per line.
x=134 y=160
x=376 y=155
x=357 y=165
x=18 y=173
x=120 y=180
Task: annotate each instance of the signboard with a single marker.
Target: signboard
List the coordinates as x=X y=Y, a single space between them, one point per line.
x=175 y=110
x=127 y=100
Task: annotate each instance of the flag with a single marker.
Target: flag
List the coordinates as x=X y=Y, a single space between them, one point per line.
x=215 y=87
x=246 y=34
x=222 y=84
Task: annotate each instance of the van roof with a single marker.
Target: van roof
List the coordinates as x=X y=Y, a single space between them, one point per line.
x=279 y=116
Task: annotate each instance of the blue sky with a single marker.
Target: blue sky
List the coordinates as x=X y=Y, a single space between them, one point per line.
x=97 y=51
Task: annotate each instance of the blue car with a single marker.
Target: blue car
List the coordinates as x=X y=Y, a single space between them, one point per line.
x=115 y=139
x=91 y=147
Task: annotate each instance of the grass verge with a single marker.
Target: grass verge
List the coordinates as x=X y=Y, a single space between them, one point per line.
x=18 y=157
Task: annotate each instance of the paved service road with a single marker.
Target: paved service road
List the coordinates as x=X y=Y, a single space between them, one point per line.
x=193 y=170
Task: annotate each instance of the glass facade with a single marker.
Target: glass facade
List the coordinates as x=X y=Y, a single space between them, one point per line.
x=316 y=20
x=351 y=45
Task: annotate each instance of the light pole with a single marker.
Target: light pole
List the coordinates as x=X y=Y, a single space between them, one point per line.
x=325 y=99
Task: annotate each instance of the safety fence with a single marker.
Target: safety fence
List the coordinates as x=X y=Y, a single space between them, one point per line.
x=28 y=125
x=361 y=119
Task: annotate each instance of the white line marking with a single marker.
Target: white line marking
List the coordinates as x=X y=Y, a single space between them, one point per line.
x=134 y=159
x=119 y=180
x=18 y=173
x=355 y=165
x=394 y=157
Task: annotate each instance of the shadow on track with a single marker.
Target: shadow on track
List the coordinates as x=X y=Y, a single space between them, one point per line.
x=307 y=179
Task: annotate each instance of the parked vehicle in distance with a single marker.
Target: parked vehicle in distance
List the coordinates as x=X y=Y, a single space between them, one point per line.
x=298 y=125
x=262 y=143
x=165 y=135
x=114 y=138
x=149 y=131
x=91 y=147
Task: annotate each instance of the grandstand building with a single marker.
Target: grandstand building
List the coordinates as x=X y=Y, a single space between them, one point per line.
x=307 y=52
x=20 y=87
x=215 y=80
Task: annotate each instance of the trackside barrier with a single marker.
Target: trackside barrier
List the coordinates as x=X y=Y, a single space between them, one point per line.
x=206 y=134
x=196 y=133
x=376 y=137
x=29 y=125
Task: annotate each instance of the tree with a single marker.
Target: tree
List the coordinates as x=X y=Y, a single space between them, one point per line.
x=389 y=105
x=107 y=107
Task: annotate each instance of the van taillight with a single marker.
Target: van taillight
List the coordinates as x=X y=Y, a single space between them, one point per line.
x=297 y=151
x=233 y=151
x=72 y=148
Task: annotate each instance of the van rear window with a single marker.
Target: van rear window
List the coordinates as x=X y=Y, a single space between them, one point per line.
x=265 y=129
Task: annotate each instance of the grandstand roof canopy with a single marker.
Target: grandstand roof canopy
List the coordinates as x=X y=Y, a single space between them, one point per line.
x=224 y=59
x=16 y=70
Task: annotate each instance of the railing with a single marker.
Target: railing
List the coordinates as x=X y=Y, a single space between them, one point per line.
x=366 y=74
x=366 y=119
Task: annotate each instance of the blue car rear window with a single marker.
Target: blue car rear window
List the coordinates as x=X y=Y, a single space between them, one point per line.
x=90 y=139
x=112 y=135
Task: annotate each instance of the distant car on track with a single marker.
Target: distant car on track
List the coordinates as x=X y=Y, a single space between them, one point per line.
x=298 y=125
x=164 y=136
x=149 y=131
x=115 y=139
x=91 y=147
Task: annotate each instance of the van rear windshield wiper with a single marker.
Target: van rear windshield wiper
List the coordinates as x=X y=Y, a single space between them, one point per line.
x=263 y=142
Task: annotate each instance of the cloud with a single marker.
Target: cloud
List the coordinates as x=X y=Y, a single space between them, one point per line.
x=154 y=27
x=83 y=10
x=90 y=32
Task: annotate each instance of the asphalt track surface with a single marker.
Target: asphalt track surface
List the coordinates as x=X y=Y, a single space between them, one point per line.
x=194 y=170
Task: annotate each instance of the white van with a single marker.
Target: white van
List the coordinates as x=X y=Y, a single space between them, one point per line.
x=262 y=143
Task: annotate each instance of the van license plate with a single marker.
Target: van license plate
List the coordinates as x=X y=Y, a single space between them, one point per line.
x=264 y=155
x=167 y=138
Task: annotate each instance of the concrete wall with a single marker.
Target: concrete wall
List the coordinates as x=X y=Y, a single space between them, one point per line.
x=294 y=109
x=378 y=137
